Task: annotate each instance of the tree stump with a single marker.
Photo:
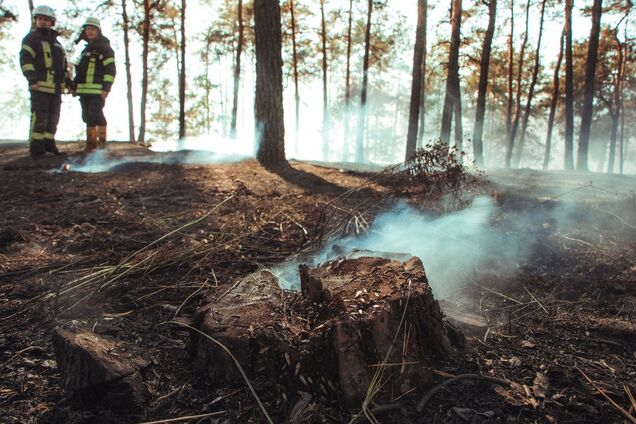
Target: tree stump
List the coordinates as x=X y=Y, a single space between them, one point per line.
x=96 y=368
x=358 y=326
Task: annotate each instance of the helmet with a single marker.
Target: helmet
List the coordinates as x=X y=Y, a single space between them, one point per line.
x=92 y=21
x=43 y=11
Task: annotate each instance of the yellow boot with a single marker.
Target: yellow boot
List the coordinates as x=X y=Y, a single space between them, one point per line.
x=101 y=137
x=91 y=139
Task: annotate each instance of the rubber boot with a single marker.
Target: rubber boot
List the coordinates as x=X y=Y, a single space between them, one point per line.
x=52 y=147
x=101 y=137
x=37 y=148
x=91 y=139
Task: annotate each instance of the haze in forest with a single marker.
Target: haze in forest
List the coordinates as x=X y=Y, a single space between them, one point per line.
x=211 y=29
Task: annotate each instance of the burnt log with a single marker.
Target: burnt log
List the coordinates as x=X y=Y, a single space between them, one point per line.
x=96 y=368
x=355 y=323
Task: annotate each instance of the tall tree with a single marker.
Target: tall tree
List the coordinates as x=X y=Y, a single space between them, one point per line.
x=362 y=112
x=270 y=128
x=325 y=97
x=553 y=103
x=618 y=100
x=416 y=83
x=422 y=124
x=588 y=91
x=129 y=97
x=237 y=68
x=452 y=96
x=533 y=83
x=515 y=121
x=292 y=11
x=569 y=89
x=144 y=64
x=182 y=74
x=484 y=64
x=345 y=146
x=511 y=58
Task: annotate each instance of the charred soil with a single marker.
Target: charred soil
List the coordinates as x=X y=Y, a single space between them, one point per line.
x=130 y=254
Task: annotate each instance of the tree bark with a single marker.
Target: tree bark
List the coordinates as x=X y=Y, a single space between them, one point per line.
x=345 y=147
x=237 y=69
x=588 y=91
x=452 y=81
x=511 y=58
x=478 y=144
x=618 y=101
x=362 y=113
x=416 y=83
x=553 y=103
x=569 y=89
x=422 y=125
x=144 y=78
x=515 y=123
x=270 y=128
x=533 y=83
x=129 y=98
x=292 y=11
x=182 y=75
x=325 y=97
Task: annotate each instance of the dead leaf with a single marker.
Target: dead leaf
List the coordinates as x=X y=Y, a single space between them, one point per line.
x=528 y=344
x=540 y=385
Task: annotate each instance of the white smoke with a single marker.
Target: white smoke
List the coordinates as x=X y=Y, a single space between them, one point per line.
x=452 y=247
x=204 y=150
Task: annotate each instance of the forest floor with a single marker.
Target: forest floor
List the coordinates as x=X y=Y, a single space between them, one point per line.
x=561 y=326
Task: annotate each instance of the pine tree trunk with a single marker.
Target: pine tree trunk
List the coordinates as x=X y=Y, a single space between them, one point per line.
x=416 y=83
x=618 y=87
x=325 y=97
x=237 y=70
x=553 y=103
x=569 y=89
x=292 y=10
x=533 y=83
x=362 y=113
x=345 y=147
x=182 y=75
x=270 y=128
x=478 y=144
x=588 y=90
x=452 y=80
x=144 y=78
x=515 y=123
x=511 y=58
x=131 y=117
x=422 y=125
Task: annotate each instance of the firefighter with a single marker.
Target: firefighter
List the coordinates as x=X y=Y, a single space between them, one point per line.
x=43 y=64
x=94 y=76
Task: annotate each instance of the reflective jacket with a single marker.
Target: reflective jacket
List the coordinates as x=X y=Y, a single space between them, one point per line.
x=43 y=61
x=96 y=70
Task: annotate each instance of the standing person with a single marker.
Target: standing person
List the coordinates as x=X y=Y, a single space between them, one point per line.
x=43 y=64
x=94 y=77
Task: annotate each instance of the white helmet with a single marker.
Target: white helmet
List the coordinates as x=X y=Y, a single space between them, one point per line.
x=44 y=11
x=92 y=21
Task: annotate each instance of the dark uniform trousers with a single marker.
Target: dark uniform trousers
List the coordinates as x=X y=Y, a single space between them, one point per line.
x=93 y=110
x=45 y=115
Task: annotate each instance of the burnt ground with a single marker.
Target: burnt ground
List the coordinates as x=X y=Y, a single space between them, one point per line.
x=100 y=251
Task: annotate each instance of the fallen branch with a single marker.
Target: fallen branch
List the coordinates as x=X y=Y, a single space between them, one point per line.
x=422 y=403
x=619 y=408
x=188 y=418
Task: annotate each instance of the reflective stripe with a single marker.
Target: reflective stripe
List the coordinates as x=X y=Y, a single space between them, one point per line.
x=109 y=61
x=109 y=78
x=28 y=67
x=92 y=86
x=48 y=56
x=28 y=49
x=90 y=72
x=46 y=90
x=47 y=84
x=48 y=135
x=88 y=90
